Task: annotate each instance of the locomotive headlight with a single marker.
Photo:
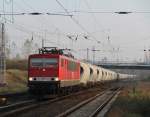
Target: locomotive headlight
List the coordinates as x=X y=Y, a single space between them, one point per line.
x=30 y=78
x=56 y=79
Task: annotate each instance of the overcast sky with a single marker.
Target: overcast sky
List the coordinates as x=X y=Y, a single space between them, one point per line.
x=122 y=37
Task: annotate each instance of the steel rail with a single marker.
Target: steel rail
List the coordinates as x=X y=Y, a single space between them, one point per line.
x=15 y=105
x=13 y=109
x=78 y=106
x=100 y=108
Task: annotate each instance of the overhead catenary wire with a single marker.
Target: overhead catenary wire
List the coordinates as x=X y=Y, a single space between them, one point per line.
x=22 y=28
x=38 y=13
x=34 y=13
x=26 y=30
x=71 y=16
x=56 y=14
x=105 y=12
x=56 y=28
x=61 y=14
x=74 y=20
x=92 y=14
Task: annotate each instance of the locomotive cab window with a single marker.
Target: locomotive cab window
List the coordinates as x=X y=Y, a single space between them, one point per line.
x=50 y=62
x=44 y=62
x=36 y=62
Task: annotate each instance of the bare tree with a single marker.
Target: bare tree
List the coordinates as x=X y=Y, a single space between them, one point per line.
x=27 y=48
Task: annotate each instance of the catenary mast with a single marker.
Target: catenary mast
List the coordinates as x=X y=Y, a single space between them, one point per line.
x=2 y=54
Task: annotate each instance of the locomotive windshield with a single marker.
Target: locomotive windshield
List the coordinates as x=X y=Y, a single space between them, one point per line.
x=44 y=62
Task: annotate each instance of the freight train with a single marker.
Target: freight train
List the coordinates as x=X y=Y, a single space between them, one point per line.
x=52 y=70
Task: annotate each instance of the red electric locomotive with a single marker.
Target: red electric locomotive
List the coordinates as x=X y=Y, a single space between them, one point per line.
x=51 y=70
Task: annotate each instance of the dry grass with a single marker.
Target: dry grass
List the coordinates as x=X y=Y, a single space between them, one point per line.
x=16 y=81
x=134 y=101
x=16 y=64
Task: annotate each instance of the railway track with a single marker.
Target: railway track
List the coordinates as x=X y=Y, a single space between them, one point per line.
x=13 y=107
x=95 y=106
x=11 y=98
x=16 y=109
x=20 y=107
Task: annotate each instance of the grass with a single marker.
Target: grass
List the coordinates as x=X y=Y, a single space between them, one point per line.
x=133 y=102
x=16 y=64
x=16 y=76
x=16 y=81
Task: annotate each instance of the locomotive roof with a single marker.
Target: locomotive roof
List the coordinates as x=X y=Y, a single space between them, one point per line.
x=53 y=52
x=46 y=55
x=52 y=55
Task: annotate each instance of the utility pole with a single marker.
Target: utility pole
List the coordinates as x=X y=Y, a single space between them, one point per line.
x=44 y=37
x=145 y=56
x=2 y=55
x=42 y=42
x=87 y=54
x=94 y=50
x=148 y=56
